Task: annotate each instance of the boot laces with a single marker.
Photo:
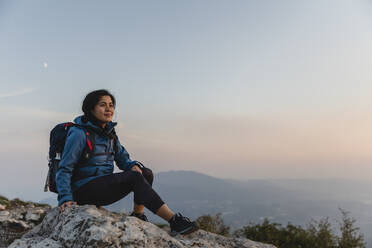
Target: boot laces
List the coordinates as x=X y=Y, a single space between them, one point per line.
x=183 y=218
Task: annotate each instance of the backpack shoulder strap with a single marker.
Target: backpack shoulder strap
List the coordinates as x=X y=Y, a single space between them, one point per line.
x=91 y=142
x=115 y=140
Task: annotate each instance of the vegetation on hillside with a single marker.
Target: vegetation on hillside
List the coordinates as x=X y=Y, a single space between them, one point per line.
x=318 y=234
x=4 y=201
x=16 y=202
x=213 y=224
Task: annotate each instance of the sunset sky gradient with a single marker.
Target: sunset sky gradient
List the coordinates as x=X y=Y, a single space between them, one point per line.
x=233 y=89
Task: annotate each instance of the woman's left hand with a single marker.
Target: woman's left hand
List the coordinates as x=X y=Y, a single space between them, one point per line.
x=136 y=168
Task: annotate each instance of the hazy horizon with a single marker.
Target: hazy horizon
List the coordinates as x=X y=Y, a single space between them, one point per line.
x=36 y=193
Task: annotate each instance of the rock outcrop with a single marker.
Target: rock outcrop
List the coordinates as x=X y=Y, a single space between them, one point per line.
x=88 y=226
x=18 y=217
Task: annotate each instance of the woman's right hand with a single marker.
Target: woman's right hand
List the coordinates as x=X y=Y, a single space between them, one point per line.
x=65 y=205
x=136 y=168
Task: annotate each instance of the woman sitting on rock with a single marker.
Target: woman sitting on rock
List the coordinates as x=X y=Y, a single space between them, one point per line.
x=92 y=181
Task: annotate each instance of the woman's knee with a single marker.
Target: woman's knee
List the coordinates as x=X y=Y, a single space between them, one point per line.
x=135 y=175
x=135 y=178
x=148 y=175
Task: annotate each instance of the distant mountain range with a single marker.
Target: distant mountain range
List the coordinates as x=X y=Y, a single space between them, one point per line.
x=243 y=202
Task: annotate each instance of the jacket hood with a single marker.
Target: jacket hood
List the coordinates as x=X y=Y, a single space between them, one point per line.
x=107 y=130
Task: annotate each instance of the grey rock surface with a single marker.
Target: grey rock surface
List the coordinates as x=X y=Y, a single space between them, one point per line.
x=87 y=226
x=17 y=219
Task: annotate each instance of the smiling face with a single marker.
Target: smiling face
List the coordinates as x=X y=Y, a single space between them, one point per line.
x=104 y=110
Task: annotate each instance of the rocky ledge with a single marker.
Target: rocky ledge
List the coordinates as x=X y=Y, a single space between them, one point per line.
x=18 y=217
x=88 y=226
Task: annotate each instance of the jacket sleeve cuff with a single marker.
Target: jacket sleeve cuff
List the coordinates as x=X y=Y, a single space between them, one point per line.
x=139 y=164
x=133 y=163
x=65 y=199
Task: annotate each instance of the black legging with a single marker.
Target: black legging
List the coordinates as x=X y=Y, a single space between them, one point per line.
x=108 y=189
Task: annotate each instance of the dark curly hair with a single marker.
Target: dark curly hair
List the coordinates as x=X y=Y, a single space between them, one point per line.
x=90 y=101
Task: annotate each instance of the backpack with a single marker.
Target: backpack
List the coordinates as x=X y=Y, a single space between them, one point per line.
x=57 y=141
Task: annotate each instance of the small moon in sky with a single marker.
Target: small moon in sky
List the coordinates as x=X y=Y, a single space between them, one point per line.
x=45 y=64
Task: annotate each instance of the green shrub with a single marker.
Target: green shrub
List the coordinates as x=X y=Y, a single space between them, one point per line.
x=4 y=201
x=350 y=236
x=213 y=224
x=317 y=234
x=161 y=225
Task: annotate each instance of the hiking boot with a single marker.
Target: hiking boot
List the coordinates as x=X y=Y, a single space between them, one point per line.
x=182 y=225
x=140 y=216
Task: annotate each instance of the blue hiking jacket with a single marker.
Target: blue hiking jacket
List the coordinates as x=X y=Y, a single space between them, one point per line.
x=73 y=172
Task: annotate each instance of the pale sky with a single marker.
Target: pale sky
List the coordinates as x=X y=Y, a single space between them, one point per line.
x=233 y=89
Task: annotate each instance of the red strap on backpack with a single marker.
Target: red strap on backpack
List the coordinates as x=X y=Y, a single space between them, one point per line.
x=68 y=124
x=88 y=141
